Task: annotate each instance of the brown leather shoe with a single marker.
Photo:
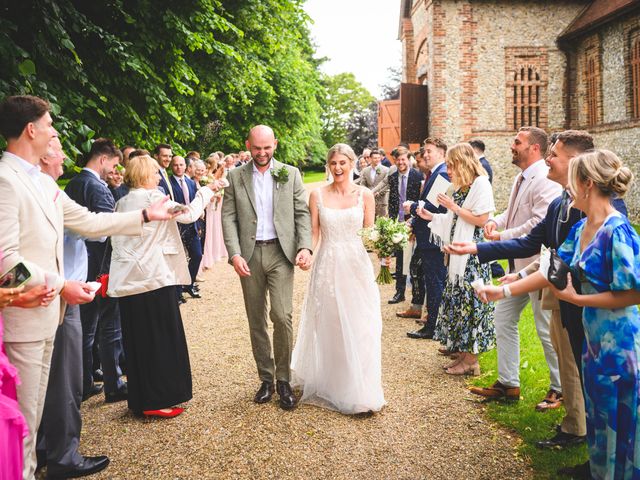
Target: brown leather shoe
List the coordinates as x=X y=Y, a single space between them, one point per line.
x=409 y=313
x=497 y=391
x=552 y=401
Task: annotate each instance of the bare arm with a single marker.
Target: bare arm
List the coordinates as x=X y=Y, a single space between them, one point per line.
x=369 y=208
x=315 y=219
x=606 y=300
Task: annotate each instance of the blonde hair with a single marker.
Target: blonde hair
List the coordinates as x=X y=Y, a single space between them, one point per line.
x=140 y=170
x=463 y=162
x=604 y=169
x=342 y=149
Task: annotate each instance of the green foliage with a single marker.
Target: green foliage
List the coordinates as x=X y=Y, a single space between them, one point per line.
x=194 y=73
x=345 y=98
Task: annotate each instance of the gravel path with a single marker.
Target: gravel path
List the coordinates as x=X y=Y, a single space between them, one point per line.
x=430 y=429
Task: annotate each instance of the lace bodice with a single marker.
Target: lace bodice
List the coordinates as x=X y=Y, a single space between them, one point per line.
x=340 y=225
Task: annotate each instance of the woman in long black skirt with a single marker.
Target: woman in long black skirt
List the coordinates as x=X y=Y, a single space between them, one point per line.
x=145 y=273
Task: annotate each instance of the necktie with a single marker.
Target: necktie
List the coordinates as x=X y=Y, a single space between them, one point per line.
x=512 y=208
x=403 y=196
x=563 y=215
x=424 y=184
x=185 y=191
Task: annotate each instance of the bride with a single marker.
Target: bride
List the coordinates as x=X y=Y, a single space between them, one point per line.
x=337 y=356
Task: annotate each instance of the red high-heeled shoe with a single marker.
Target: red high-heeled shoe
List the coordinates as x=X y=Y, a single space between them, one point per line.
x=173 y=412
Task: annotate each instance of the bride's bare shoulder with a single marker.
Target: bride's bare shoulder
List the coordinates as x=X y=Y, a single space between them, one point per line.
x=366 y=193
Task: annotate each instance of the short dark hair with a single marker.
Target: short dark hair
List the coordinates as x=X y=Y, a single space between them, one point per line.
x=578 y=140
x=19 y=110
x=138 y=153
x=477 y=144
x=537 y=136
x=159 y=146
x=436 y=142
x=375 y=151
x=103 y=146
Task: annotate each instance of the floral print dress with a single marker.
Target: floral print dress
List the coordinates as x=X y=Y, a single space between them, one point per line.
x=464 y=323
x=610 y=354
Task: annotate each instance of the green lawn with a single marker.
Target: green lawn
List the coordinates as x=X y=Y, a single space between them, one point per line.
x=521 y=416
x=313 y=176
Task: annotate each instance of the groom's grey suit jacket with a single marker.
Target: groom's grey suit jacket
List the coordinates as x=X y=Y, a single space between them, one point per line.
x=291 y=215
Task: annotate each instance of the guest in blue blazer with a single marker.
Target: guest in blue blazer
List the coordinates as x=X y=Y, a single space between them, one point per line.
x=567 y=332
x=404 y=185
x=184 y=191
x=433 y=265
x=101 y=317
x=163 y=154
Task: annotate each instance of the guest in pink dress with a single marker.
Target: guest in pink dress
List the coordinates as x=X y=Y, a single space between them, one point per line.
x=214 y=249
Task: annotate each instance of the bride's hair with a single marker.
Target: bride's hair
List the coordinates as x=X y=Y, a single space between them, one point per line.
x=342 y=149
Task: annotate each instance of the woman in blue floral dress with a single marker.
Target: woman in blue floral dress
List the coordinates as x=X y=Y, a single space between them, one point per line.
x=464 y=323
x=603 y=251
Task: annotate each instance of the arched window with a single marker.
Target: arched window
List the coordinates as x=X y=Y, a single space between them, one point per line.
x=635 y=76
x=526 y=97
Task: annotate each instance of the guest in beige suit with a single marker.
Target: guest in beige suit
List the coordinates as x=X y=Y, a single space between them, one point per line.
x=34 y=214
x=371 y=177
x=530 y=196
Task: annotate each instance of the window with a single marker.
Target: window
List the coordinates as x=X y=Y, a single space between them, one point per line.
x=591 y=81
x=526 y=97
x=635 y=76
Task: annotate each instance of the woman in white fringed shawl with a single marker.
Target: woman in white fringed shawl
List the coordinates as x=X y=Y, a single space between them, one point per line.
x=465 y=324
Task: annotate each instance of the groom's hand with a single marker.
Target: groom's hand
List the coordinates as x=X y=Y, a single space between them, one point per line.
x=240 y=265
x=303 y=259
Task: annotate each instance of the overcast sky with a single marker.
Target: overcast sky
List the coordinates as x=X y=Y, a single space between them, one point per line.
x=358 y=36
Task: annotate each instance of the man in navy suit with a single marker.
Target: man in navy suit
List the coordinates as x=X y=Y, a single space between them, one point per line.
x=162 y=154
x=433 y=265
x=404 y=186
x=184 y=191
x=101 y=316
x=567 y=333
x=478 y=148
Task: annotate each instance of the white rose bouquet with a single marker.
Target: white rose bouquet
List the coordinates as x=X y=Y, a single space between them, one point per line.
x=385 y=237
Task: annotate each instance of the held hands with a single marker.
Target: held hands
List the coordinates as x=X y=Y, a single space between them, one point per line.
x=77 y=293
x=490 y=232
x=406 y=206
x=303 y=259
x=461 y=248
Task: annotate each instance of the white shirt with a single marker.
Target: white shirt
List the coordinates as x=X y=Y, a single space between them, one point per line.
x=263 y=191
x=436 y=166
x=32 y=170
x=95 y=174
x=530 y=169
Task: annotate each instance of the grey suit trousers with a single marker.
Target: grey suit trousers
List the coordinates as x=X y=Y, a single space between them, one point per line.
x=59 y=433
x=272 y=273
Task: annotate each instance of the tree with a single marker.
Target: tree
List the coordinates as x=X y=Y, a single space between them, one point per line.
x=391 y=87
x=166 y=70
x=345 y=99
x=363 y=128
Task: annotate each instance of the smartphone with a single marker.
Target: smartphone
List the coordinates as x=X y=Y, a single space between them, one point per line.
x=178 y=208
x=17 y=276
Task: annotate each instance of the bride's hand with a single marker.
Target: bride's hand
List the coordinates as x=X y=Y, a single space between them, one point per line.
x=303 y=259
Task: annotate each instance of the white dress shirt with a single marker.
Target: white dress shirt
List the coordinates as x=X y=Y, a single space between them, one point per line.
x=263 y=191
x=32 y=170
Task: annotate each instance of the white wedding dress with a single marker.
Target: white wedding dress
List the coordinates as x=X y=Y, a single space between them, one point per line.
x=337 y=356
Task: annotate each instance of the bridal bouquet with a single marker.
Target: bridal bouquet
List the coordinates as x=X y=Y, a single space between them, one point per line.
x=385 y=237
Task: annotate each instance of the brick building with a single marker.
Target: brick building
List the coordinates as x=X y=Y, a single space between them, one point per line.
x=491 y=66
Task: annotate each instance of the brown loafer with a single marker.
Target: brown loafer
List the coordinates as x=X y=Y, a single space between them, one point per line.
x=409 y=313
x=497 y=391
x=552 y=401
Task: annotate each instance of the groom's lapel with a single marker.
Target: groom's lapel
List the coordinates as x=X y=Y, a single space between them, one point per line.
x=247 y=180
x=276 y=185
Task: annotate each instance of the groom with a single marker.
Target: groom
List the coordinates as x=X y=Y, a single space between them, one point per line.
x=267 y=230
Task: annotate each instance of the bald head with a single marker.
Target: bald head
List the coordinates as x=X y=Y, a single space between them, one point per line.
x=261 y=142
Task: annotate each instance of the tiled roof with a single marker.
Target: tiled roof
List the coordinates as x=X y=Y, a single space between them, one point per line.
x=597 y=13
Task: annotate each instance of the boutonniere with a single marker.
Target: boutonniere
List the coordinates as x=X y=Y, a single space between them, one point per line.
x=280 y=175
x=378 y=170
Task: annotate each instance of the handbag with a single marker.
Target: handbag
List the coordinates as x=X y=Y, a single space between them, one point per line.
x=558 y=270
